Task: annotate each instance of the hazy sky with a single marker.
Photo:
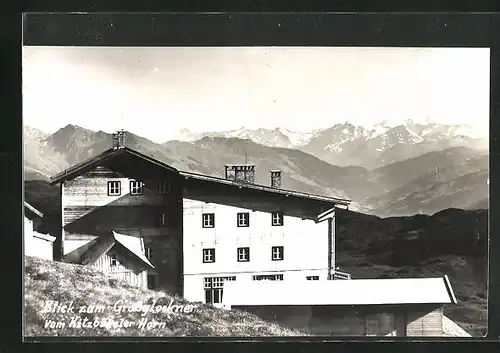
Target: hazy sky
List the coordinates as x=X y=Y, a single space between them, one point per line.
x=155 y=92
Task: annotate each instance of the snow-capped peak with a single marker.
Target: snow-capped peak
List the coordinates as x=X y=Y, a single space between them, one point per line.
x=34 y=133
x=389 y=133
x=275 y=137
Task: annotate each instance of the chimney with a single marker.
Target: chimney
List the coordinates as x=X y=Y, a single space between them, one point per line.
x=276 y=179
x=119 y=139
x=243 y=173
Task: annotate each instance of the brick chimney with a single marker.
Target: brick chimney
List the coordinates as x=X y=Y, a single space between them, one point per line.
x=243 y=173
x=119 y=139
x=276 y=179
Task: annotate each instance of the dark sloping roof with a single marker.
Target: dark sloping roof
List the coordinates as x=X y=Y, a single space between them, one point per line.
x=132 y=244
x=103 y=244
x=283 y=192
x=95 y=249
x=31 y=211
x=106 y=159
x=91 y=163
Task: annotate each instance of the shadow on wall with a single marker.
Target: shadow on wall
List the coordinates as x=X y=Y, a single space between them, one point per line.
x=124 y=213
x=158 y=220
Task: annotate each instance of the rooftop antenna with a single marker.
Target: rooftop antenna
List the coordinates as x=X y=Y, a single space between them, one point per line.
x=121 y=117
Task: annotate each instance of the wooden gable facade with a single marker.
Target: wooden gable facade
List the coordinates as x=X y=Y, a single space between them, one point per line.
x=117 y=255
x=120 y=264
x=151 y=212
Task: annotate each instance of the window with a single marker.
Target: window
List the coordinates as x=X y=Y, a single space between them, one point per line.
x=149 y=253
x=112 y=260
x=151 y=281
x=114 y=188
x=164 y=187
x=277 y=253
x=277 y=218
x=208 y=255
x=243 y=219
x=208 y=220
x=136 y=187
x=278 y=277
x=162 y=219
x=312 y=278
x=213 y=287
x=243 y=254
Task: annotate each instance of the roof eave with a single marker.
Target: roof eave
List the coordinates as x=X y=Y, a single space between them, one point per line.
x=143 y=260
x=447 y=283
x=74 y=171
x=33 y=209
x=325 y=215
x=138 y=258
x=44 y=237
x=342 y=304
x=96 y=256
x=150 y=159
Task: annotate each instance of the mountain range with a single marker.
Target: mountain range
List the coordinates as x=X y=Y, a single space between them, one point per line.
x=346 y=144
x=451 y=175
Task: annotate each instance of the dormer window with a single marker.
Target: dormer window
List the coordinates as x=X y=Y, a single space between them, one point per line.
x=136 y=187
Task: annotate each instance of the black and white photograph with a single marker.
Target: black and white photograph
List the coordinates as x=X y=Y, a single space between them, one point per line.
x=255 y=191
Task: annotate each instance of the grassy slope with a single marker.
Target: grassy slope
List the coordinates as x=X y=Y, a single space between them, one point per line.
x=47 y=280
